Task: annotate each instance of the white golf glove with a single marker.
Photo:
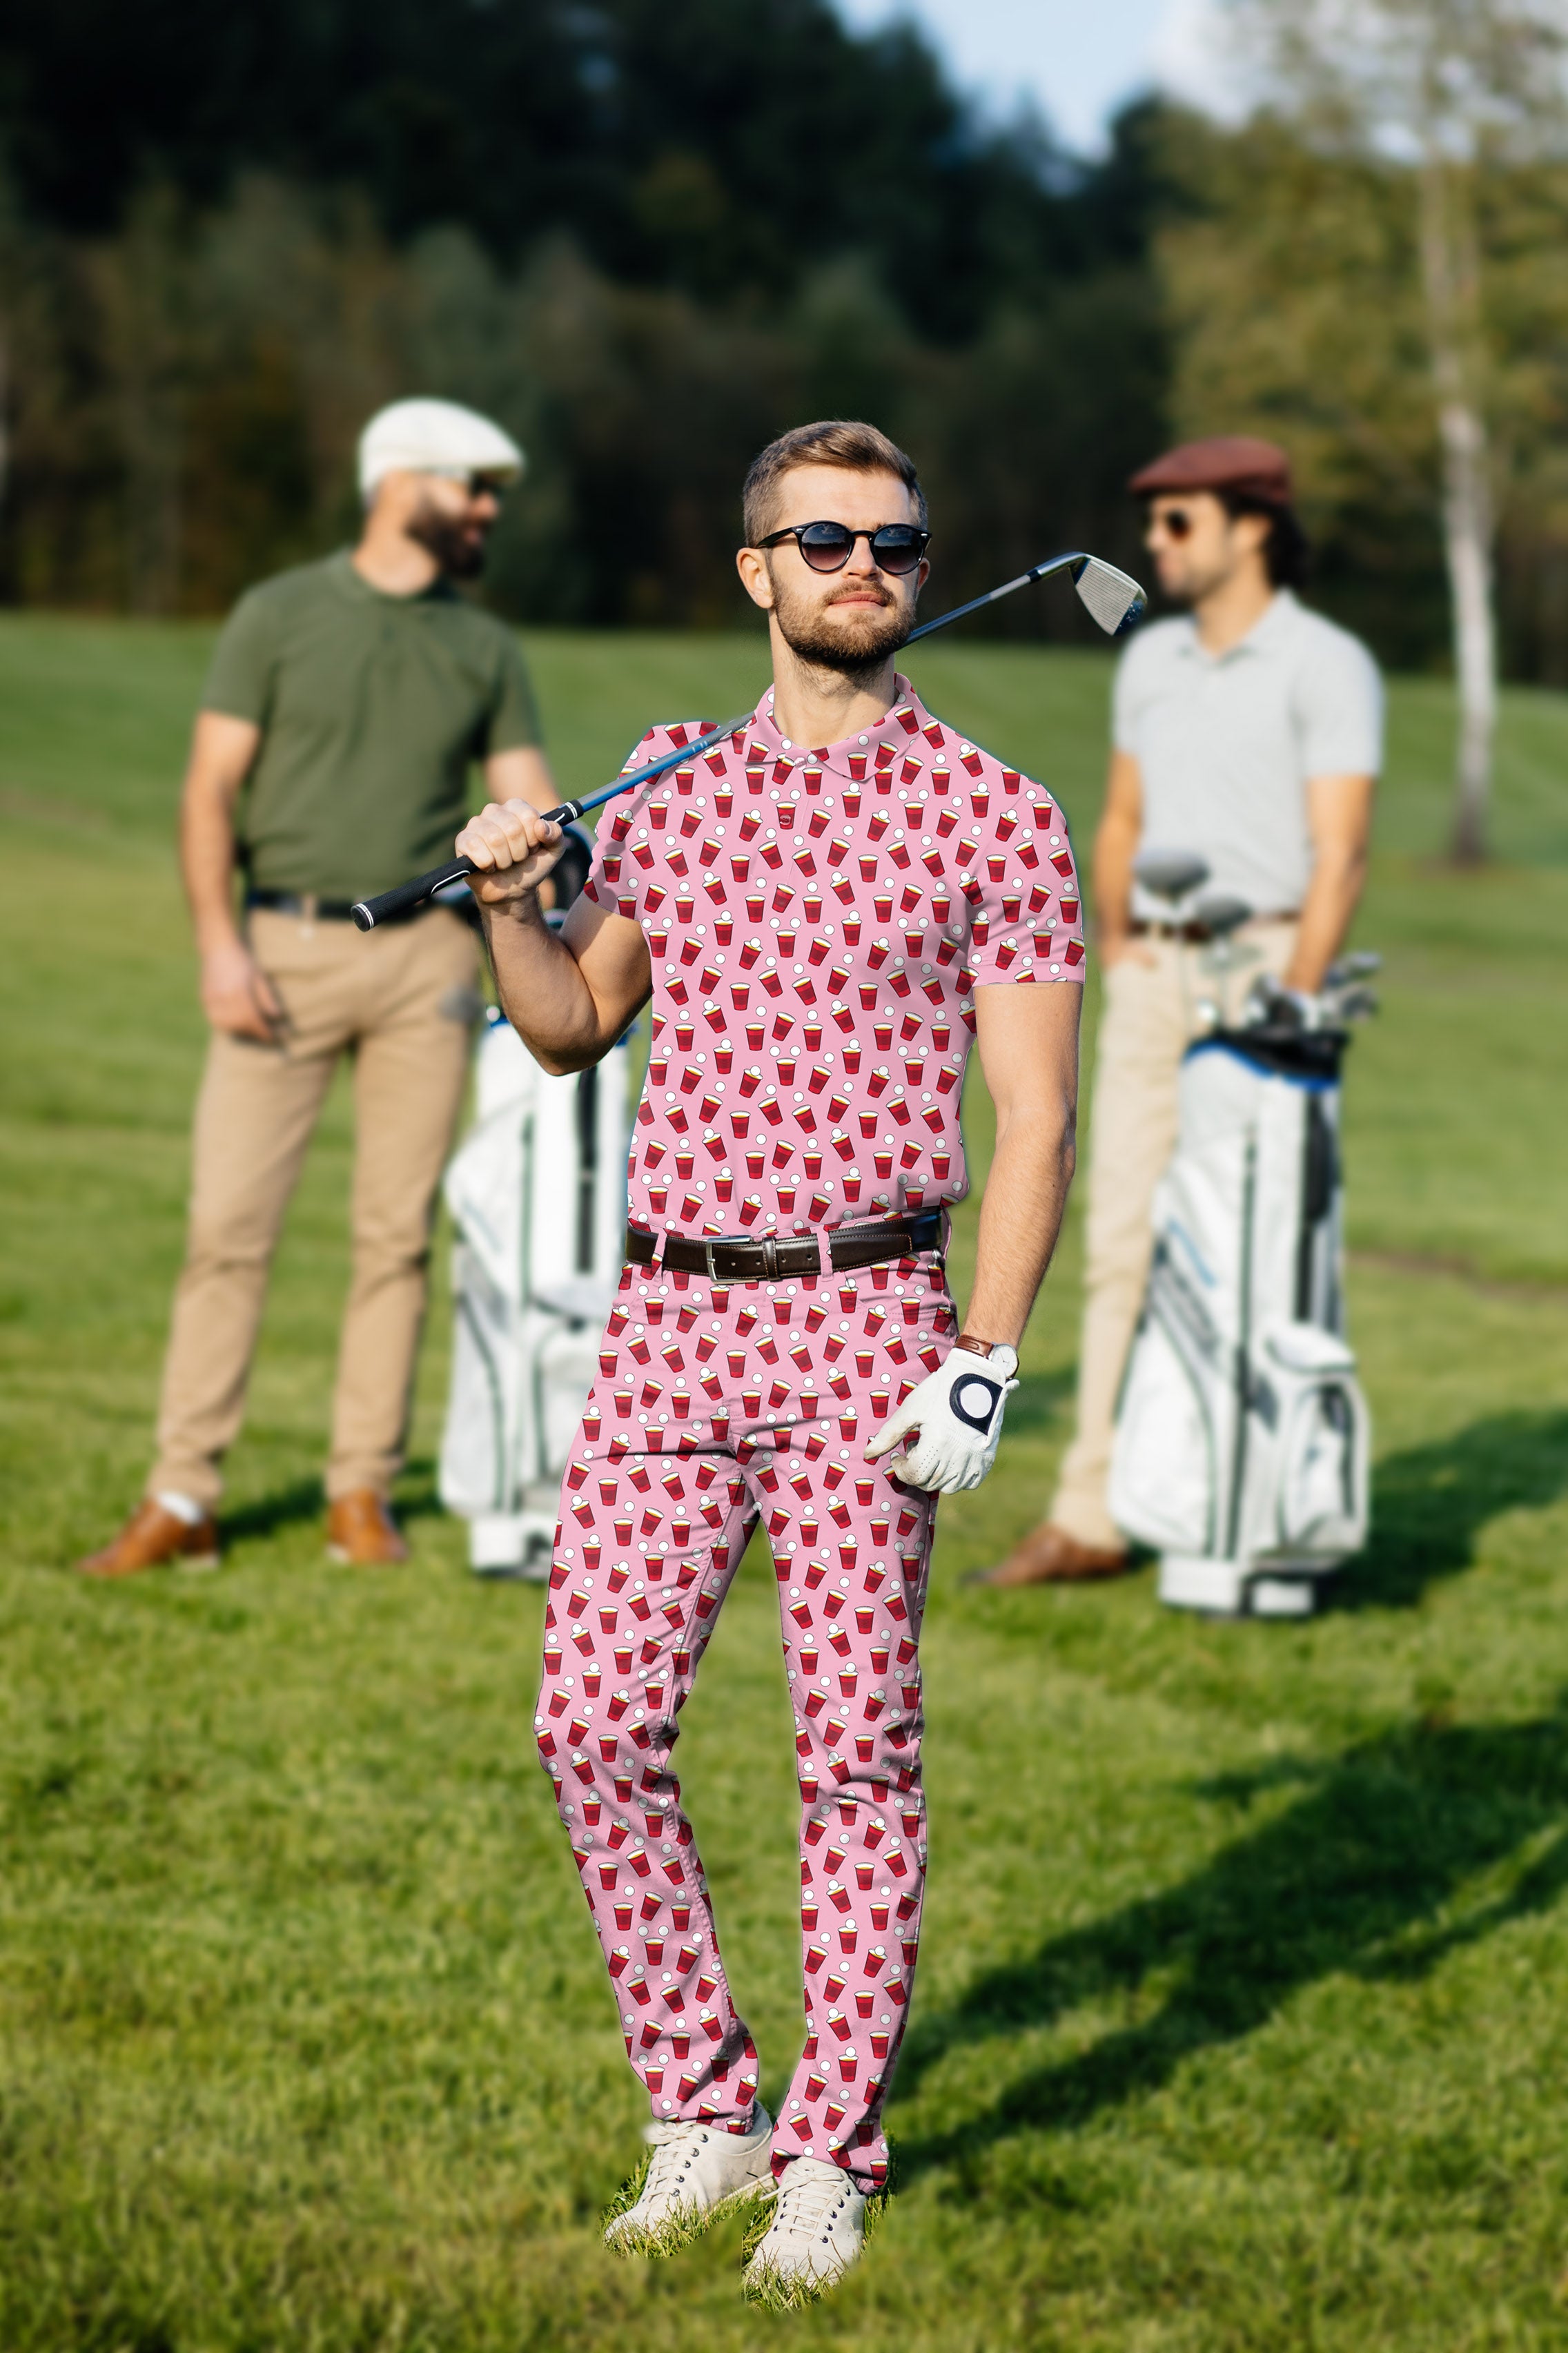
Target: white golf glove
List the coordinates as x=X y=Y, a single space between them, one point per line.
x=957 y=1411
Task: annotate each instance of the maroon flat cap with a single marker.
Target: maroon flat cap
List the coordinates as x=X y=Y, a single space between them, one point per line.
x=1228 y=461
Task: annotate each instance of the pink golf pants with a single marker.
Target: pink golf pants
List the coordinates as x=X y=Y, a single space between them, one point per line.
x=715 y=1408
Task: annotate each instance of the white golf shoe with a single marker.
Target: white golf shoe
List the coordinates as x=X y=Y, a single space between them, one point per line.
x=817 y=2231
x=695 y=2169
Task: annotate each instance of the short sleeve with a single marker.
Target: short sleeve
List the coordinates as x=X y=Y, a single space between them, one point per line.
x=514 y=717
x=1026 y=917
x=240 y=679
x=1340 y=709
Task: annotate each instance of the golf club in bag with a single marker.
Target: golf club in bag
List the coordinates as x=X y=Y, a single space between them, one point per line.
x=1112 y=599
x=1242 y=1438
x=538 y=1194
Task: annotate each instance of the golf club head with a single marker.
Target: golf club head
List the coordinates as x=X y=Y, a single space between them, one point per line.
x=1359 y=966
x=1112 y=599
x=1222 y=915
x=1170 y=873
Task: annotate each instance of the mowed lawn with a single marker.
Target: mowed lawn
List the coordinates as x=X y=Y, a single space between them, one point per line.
x=1242 y=2018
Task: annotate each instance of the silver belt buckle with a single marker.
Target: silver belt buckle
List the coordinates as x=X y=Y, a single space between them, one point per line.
x=707 y=1255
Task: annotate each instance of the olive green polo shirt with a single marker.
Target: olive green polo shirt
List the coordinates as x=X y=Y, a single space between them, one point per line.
x=370 y=709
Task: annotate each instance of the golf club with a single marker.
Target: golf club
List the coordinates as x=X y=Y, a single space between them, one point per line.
x=1170 y=873
x=1112 y=597
x=368 y=913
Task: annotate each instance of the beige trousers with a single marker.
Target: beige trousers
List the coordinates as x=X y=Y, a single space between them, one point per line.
x=1150 y=1015
x=393 y=1000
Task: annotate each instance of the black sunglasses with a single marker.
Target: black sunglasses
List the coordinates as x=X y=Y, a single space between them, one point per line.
x=896 y=547
x=1177 y=523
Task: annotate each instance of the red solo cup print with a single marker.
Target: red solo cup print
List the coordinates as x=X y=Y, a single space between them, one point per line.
x=880 y=1910
x=882 y=1031
x=880 y=2037
x=864 y=2001
x=864 y=1874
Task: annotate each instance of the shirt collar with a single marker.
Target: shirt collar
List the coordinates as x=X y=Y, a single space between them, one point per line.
x=1270 y=625
x=907 y=717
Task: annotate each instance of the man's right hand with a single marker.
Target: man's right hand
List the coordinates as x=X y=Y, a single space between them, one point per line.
x=513 y=848
x=236 y=995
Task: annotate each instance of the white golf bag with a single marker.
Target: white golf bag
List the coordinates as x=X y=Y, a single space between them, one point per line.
x=1242 y=1440
x=538 y=1191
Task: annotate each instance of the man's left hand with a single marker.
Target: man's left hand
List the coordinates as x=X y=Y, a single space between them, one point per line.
x=957 y=1412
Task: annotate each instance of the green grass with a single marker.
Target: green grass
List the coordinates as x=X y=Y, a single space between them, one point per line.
x=1240 y=2020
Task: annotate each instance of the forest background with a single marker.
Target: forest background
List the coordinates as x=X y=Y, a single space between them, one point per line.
x=649 y=233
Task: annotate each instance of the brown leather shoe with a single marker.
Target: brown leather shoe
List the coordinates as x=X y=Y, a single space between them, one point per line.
x=152 y=1537
x=362 y=1531
x=1049 y=1556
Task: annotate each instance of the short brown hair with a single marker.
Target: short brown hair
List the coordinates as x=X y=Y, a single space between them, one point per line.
x=834 y=441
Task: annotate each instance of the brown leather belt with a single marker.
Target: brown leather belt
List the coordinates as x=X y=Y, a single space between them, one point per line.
x=1200 y=934
x=733 y=1259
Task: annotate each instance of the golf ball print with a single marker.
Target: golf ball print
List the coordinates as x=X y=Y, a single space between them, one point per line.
x=817 y=922
x=715 y=1407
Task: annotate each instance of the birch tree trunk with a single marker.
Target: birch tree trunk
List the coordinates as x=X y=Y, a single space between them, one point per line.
x=1449 y=280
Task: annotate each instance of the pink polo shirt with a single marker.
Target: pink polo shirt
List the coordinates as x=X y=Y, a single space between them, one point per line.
x=817 y=922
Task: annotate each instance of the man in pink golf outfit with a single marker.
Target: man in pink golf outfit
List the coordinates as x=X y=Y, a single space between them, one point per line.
x=826 y=907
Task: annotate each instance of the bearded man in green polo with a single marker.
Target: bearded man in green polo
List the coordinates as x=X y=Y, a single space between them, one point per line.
x=330 y=757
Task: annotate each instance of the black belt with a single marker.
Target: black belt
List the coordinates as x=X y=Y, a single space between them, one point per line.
x=734 y=1258
x=313 y=910
x=1199 y=935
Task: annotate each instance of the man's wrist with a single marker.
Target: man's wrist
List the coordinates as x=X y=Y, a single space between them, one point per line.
x=218 y=941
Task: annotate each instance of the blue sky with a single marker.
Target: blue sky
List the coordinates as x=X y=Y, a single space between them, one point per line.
x=1077 y=60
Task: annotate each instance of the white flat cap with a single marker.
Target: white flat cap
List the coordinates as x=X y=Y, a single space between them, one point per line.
x=435 y=436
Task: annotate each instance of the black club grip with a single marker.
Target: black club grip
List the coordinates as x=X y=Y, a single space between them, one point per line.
x=368 y=913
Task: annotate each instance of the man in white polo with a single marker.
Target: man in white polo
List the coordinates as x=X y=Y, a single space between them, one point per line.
x=1249 y=732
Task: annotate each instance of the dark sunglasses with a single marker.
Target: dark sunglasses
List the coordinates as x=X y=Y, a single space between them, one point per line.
x=1174 y=521
x=896 y=547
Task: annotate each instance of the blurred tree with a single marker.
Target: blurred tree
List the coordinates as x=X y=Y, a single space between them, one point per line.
x=1446 y=116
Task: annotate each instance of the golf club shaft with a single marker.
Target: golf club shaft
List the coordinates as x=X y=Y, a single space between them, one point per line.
x=1039 y=571
x=402 y=900
x=368 y=913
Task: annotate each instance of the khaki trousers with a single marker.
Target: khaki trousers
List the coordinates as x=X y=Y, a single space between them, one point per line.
x=1149 y=1017
x=386 y=998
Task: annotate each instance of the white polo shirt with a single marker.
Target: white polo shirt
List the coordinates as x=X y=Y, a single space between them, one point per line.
x=1225 y=743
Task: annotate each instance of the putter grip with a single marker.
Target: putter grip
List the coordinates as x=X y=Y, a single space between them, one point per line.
x=368 y=913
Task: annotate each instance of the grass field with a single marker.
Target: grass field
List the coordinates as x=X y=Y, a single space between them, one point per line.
x=1240 y=2022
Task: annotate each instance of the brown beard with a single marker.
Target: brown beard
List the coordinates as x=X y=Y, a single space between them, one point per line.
x=460 y=557
x=855 y=646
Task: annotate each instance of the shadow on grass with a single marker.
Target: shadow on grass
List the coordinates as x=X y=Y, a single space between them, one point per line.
x=1430 y=1503
x=302 y=1499
x=305 y=1499
x=1362 y=1875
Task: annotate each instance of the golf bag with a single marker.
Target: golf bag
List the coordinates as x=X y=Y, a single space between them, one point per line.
x=538 y=1191
x=1242 y=1440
